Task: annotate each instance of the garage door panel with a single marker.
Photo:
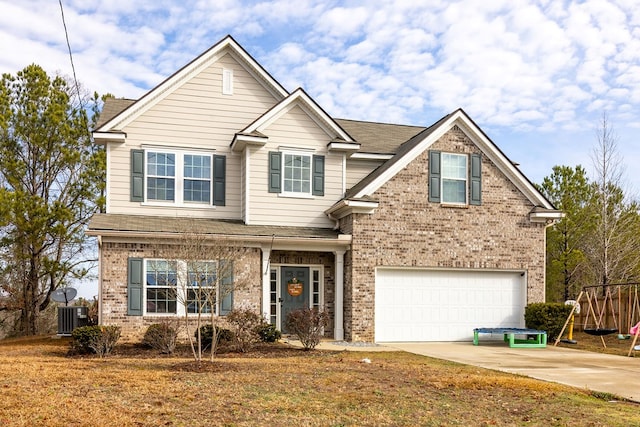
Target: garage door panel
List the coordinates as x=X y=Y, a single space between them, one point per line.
x=432 y=305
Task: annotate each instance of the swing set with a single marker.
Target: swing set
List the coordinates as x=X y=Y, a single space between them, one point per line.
x=607 y=309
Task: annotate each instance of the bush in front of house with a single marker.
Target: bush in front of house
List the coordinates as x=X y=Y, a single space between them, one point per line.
x=307 y=324
x=269 y=332
x=161 y=337
x=549 y=317
x=95 y=339
x=245 y=325
x=224 y=336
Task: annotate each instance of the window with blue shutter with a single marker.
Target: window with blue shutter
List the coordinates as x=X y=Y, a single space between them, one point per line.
x=434 y=176
x=275 y=172
x=455 y=178
x=137 y=176
x=475 y=181
x=318 y=176
x=134 y=287
x=219 y=177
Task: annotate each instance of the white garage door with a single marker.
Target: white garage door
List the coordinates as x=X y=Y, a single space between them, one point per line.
x=428 y=305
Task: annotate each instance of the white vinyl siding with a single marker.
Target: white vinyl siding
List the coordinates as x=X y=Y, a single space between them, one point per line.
x=195 y=116
x=294 y=130
x=357 y=169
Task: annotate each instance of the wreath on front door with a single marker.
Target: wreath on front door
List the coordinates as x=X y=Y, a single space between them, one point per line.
x=295 y=287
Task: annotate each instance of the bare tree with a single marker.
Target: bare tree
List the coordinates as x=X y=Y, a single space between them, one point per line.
x=614 y=219
x=207 y=278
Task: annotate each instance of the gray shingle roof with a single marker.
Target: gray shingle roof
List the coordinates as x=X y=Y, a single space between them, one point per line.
x=169 y=225
x=379 y=138
x=112 y=107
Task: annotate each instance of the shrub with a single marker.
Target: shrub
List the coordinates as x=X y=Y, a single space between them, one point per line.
x=161 y=337
x=307 y=324
x=245 y=324
x=549 y=317
x=206 y=334
x=95 y=339
x=269 y=333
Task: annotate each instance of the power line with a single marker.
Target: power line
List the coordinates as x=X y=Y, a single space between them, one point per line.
x=73 y=68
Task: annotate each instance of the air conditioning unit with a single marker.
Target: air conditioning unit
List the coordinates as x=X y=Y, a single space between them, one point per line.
x=70 y=318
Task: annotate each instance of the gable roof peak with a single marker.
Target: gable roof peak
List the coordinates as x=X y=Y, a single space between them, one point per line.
x=226 y=45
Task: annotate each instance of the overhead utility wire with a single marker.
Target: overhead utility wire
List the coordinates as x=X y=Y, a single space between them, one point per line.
x=73 y=68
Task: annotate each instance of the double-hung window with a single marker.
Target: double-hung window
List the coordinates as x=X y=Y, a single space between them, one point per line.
x=201 y=286
x=177 y=177
x=297 y=174
x=179 y=287
x=197 y=178
x=455 y=179
x=161 y=176
x=162 y=286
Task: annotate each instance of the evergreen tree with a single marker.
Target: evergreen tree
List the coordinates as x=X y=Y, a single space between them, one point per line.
x=51 y=176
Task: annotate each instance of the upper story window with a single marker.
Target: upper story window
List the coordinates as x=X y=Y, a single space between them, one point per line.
x=296 y=174
x=177 y=177
x=197 y=178
x=455 y=179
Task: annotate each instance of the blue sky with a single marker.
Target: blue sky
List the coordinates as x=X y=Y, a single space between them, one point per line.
x=536 y=76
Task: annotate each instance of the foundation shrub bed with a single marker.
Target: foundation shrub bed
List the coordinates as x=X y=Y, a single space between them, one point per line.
x=307 y=324
x=161 y=337
x=94 y=339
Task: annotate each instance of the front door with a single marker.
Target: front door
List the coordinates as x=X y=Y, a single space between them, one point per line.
x=294 y=291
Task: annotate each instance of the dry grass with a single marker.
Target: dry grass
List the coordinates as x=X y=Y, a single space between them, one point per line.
x=278 y=385
x=594 y=343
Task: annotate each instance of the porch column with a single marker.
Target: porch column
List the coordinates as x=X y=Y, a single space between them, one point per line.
x=266 y=283
x=338 y=328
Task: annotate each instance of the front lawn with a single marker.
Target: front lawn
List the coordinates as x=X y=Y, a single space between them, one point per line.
x=277 y=385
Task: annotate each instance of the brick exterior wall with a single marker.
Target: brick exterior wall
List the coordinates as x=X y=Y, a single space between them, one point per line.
x=114 y=258
x=407 y=230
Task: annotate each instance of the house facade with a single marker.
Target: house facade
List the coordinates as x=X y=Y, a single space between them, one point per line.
x=401 y=233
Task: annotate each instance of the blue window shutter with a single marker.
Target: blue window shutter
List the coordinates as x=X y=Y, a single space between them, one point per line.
x=134 y=287
x=226 y=289
x=475 y=183
x=275 y=172
x=434 y=176
x=317 y=186
x=137 y=176
x=219 y=174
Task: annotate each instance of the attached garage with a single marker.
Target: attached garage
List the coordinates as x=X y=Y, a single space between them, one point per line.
x=445 y=305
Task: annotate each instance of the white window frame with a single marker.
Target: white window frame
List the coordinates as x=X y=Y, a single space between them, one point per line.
x=303 y=194
x=179 y=177
x=181 y=289
x=444 y=178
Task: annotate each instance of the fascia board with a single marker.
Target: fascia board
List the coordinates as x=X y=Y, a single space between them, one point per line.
x=209 y=57
x=103 y=137
x=407 y=158
x=342 y=241
x=502 y=162
x=301 y=99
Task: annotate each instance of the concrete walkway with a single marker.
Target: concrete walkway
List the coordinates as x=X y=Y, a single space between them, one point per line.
x=606 y=373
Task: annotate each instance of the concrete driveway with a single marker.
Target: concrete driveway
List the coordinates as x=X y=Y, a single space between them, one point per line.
x=594 y=371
